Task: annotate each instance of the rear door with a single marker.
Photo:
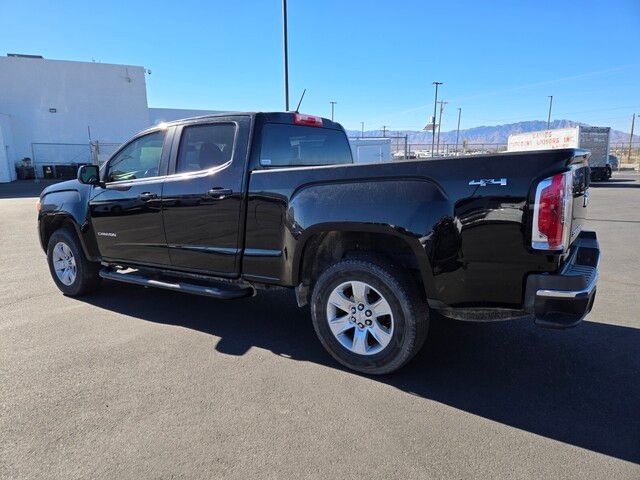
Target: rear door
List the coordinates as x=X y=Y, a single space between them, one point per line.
x=203 y=198
x=126 y=213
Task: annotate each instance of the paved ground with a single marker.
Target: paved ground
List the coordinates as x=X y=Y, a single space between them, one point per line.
x=140 y=383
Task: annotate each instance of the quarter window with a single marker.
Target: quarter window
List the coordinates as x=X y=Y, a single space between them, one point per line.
x=139 y=159
x=205 y=146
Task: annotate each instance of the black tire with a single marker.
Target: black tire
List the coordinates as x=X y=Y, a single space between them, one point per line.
x=86 y=272
x=410 y=314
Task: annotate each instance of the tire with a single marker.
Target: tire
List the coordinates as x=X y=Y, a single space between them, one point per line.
x=402 y=332
x=64 y=251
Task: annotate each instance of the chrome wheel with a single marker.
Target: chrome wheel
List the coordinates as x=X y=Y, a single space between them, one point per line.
x=360 y=318
x=64 y=263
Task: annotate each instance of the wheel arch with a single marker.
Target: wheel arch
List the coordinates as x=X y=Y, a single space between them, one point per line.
x=328 y=244
x=51 y=222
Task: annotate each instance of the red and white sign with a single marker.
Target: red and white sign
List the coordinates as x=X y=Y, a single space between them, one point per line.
x=544 y=140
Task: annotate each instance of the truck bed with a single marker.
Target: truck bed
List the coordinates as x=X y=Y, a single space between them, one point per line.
x=468 y=215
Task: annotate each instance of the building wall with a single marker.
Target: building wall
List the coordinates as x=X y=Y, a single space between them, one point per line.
x=6 y=141
x=109 y=99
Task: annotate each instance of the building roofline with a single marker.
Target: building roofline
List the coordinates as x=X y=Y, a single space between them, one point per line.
x=40 y=59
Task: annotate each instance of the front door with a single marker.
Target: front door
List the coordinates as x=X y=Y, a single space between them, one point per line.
x=126 y=212
x=203 y=198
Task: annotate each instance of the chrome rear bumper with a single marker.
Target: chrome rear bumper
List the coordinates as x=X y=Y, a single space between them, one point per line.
x=562 y=300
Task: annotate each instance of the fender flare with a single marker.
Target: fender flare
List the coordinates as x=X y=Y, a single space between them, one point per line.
x=412 y=242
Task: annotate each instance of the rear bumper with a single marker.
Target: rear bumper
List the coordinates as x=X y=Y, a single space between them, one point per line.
x=562 y=300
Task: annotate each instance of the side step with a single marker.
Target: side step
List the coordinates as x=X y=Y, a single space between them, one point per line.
x=219 y=290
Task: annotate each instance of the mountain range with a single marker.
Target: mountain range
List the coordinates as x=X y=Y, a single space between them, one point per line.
x=497 y=134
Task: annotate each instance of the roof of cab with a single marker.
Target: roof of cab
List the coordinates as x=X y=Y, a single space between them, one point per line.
x=265 y=117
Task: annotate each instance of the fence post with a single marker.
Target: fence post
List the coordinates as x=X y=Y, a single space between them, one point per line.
x=406 y=154
x=33 y=162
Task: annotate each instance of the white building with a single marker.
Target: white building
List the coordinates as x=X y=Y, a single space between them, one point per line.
x=51 y=109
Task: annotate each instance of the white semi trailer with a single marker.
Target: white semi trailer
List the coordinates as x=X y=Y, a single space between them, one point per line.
x=594 y=139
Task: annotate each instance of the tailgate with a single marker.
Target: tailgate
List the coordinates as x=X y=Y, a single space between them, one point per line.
x=580 y=192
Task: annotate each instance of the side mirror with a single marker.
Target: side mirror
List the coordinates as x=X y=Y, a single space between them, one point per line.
x=89 y=174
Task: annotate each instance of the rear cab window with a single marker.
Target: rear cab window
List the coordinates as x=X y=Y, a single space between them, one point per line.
x=205 y=146
x=285 y=145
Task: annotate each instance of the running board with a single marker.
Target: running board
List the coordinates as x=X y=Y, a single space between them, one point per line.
x=219 y=290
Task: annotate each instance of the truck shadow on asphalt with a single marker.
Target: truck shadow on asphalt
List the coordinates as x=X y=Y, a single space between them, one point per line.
x=579 y=386
x=24 y=188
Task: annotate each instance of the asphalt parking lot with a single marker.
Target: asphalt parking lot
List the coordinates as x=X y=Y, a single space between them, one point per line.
x=142 y=383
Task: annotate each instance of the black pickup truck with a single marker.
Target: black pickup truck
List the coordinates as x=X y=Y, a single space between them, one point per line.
x=224 y=205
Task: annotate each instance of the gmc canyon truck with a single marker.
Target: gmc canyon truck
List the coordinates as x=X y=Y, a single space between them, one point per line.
x=228 y=204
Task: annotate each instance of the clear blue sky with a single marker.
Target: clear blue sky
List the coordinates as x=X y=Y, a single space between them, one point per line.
x=498 y=59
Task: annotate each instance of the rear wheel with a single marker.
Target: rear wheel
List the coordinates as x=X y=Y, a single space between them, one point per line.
x=72 y=273
x=368 y=315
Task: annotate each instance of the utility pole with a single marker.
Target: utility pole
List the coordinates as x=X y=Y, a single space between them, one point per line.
x=458 y=132
x=332 y=105
x=384 y=130
x=442 y=104
x=362 y=134
x=435 y=107
x=633 y=124
x=286 y=55
x=549 y=116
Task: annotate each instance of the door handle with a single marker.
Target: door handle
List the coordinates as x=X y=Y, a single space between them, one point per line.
x=219 y=193
x=146 y=196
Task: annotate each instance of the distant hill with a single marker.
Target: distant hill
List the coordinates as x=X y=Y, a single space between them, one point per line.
x=488 y=134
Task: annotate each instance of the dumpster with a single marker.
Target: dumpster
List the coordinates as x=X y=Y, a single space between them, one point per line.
x=66 y=172
x=48 y=171
x=25 y=173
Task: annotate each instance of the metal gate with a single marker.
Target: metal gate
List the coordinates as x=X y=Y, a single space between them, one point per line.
x=58 y=160
x=61 y=160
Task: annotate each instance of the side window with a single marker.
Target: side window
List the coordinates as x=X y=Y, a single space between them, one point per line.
x=294 y=145
x=205 y=146
x=139 y=159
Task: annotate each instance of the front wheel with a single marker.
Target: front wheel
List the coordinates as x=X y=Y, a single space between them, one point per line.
x=369 y=315
x=72 y=273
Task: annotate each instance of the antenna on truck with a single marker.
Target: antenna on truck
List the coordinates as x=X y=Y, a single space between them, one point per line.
x=298 y=107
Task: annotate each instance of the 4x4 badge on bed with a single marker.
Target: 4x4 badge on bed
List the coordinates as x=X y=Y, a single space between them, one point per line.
x=483 y=182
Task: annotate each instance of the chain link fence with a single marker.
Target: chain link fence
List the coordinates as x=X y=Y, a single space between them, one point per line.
x=403 y=149
x=423 y=150
x=101 y=151
x=61 y=160
x=628 y=155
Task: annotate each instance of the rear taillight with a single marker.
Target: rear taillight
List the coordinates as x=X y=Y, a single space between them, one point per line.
x=308 y=120
x=552 y=213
